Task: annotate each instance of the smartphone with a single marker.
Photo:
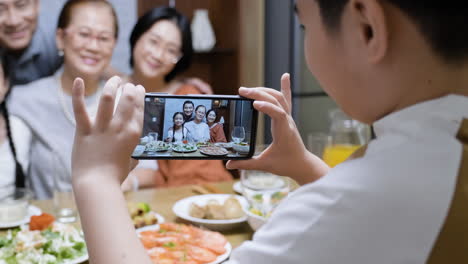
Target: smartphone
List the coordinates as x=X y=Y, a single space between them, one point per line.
x=191 y=127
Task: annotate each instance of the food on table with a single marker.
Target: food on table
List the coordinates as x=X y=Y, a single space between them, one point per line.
x=214 y=210
x=41 y=222
x=179 y=243
x=157 y=146
x=184 y=148
x=259 y=213
x=141 y=214
x=214 y=151
x=203 y=144
x=242 y=147
x=56 y=244
x=223 y=145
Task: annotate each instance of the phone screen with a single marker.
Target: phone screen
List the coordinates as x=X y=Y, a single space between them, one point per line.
x=197 y=127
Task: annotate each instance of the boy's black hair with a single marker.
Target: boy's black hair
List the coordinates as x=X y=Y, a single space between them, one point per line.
x=20 y=179
x=145 y=22
x=442 y=23
x=188 y=102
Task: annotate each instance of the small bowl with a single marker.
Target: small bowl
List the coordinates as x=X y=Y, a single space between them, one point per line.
x=241 y=148
x=14 y=206
x=255 y=221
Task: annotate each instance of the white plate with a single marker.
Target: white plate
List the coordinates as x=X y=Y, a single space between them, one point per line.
x=182 y=209
x=32 y=210
x=78 y=260
x=237 y=187
x=159 y=217
x=220 y=258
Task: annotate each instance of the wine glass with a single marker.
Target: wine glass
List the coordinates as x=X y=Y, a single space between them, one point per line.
x=238 y=135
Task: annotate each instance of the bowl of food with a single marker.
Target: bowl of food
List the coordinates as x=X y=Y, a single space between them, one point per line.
x=255 y=218
x=14 y=205
x=217 y=212
x=241 y=147
x=142 y=215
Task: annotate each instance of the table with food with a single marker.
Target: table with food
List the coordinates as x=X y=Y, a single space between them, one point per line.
x=199 y=149
x=192 y=224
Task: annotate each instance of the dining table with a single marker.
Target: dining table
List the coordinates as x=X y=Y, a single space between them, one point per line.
x=161 y=201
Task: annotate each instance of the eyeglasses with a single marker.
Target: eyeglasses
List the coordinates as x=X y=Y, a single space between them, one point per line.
x=86 y=35
x=170 y=53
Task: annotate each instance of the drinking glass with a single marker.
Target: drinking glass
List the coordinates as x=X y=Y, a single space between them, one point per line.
x=347 y=135
x=63 y=198
x=153 y=136
x=263 y=190
x=237 y=135
x=317 y=143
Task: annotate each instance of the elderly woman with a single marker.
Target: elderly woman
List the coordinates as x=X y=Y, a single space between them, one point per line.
x=161 y=49
x=86 y=35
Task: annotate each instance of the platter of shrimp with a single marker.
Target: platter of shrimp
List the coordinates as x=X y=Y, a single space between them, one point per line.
x=171 y=243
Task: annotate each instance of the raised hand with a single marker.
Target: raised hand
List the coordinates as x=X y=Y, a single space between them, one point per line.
x=287 y=154
x=105 y=144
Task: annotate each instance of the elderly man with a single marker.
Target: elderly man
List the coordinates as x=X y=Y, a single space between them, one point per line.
x=28 y=49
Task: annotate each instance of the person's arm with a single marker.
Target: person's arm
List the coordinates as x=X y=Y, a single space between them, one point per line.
x=206 y=133
x=220 y=136
x=287 y=154
x=201 y=86
x=169 y=133
x=100 y=163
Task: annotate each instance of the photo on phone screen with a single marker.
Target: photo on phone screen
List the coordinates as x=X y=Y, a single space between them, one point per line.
x=197 y=127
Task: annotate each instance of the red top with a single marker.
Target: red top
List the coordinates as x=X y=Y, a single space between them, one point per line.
x=217 y=133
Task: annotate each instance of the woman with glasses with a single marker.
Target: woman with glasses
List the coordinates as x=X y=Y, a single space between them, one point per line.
x=161 y=49
x=86 y=35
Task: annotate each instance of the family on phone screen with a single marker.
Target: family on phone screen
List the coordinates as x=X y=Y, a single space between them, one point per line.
x=190 y=125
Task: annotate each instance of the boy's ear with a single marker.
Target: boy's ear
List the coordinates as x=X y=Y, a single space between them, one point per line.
x=373 y=27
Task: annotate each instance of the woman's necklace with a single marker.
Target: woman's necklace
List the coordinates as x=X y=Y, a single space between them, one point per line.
x=92 y=110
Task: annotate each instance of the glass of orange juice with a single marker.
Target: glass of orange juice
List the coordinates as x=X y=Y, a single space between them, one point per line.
x=347 y=135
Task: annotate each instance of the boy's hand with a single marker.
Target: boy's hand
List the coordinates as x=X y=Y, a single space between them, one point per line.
x=287 y=154
x=103 y=147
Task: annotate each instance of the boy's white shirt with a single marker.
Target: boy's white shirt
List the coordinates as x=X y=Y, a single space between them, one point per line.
x=386 y=207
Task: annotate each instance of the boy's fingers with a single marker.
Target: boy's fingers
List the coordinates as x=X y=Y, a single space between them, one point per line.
x=259 y=94
x=251 y=164
x=271 y=110
x=107 y=102
x=127 y=106
x=266 y=94
x=83 y=124
x=286 y=90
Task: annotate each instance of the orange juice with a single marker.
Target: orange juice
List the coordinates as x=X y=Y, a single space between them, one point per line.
x=335 y=154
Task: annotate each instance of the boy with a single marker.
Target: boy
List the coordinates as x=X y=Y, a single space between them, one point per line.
x=398 y=64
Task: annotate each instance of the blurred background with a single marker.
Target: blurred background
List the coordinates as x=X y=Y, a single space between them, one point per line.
x=250 y=50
